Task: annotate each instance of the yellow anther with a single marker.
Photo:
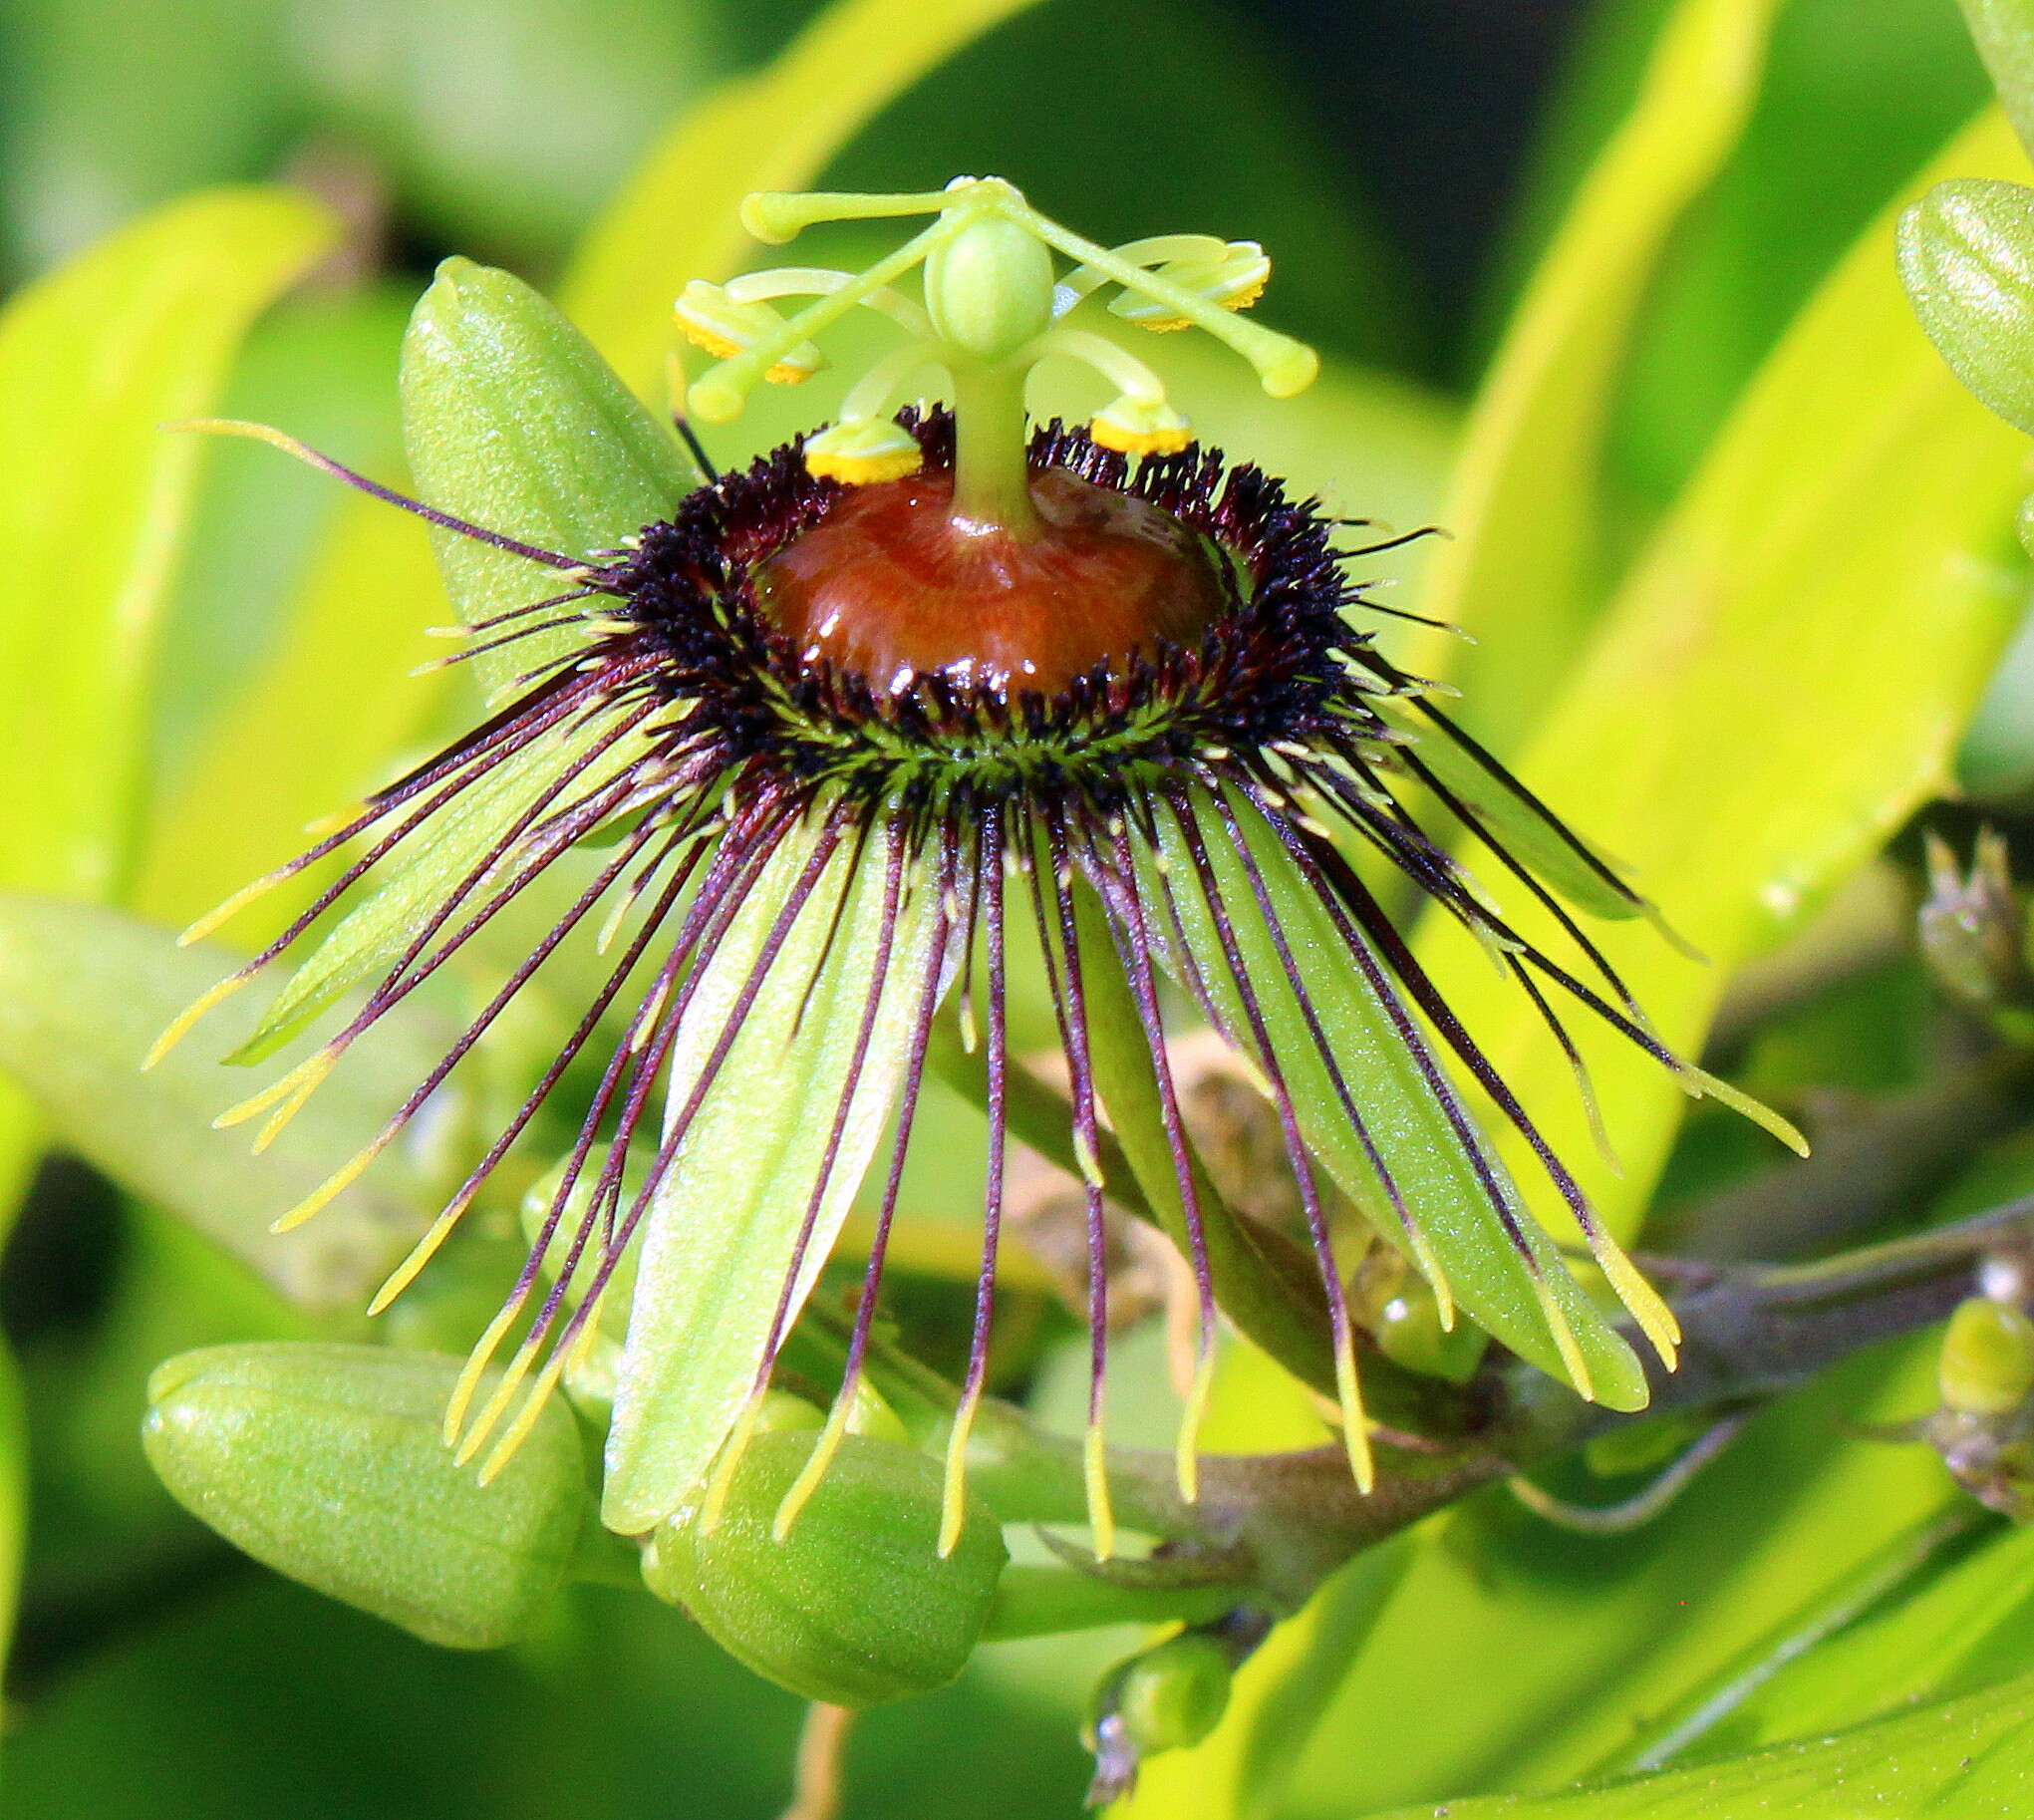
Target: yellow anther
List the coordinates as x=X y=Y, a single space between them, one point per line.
x=1234 y=281
x=723 y=327
x=1137 y=427
x=859 y=454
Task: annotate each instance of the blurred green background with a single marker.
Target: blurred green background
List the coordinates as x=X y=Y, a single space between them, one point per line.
x=1403 y=159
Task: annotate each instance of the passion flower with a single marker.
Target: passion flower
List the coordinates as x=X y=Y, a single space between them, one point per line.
x=846 y=724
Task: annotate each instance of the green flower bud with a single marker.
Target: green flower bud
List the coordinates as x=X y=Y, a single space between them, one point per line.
x=1988 y=1362
x=854 y=1606
x=1408 y=1332
x=327 y=1463
x=1973 y=935
x=1966 y=257
x=1173 y=1696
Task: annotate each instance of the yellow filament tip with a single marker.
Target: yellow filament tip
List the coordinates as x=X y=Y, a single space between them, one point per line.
x=232 y=907
x=1355 y=1422
x=1187 y=1449
x=1655 y=1320
x=477 y=1362
x=808 y=1481
x=527 y=1419
x=953 y=1491
x=317 y=1069
x=1565 y=1343
x=276 y=1090
x=181 y=1028
x=1101 y=1515
x=420 y=1254
x=715 y=1505
x=333 y=1185
x=504 y=1392
x=1699 y=1082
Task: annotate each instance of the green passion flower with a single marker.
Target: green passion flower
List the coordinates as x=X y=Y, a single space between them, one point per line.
x=845 y=725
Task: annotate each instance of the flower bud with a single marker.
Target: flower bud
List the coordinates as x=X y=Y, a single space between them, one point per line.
x=327 y=1463
x=1986 y=1365
x=854 y=1606
x=1966 y=257
x=1973 y=935
x=1173 y=1696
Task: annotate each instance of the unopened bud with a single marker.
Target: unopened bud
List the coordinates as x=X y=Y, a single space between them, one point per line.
x=1973 y=935
x=1986 y=1367
x=327 y=1463
x=855 y=1605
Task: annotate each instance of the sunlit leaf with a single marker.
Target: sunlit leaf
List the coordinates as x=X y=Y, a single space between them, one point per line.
x=1972 y=1757
x=93 y=360
x=1782 y=679
x=1520 y=508
x=676 y=219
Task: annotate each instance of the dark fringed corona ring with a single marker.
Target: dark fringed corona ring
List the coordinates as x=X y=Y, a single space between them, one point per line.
x=809 y=853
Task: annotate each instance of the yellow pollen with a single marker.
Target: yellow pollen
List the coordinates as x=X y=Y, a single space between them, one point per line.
x=862 y=470
x=1111 y=435
x=720 y=347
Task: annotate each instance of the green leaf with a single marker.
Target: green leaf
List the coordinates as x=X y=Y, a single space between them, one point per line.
x=328 y=1463
x=1598 y=1634
x=722 y=1228
x=93 y=359
x=1958 y=1761
x=1430 y=1162
x=83 y=995
x=676 y=219
x=1783 y=677
x=1521 y=507
x=513 y=421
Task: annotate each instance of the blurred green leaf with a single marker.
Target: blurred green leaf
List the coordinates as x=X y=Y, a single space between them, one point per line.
x=1958 y=1761
x=93 y=359
x=502 y=124
x=1782 y=678
x=1520 y=510
x=675 y=219
x=83 y=995
x=115 y=106
x=1857 y=95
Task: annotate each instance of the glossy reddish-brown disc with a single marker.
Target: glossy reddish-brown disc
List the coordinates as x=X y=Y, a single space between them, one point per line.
x=889 y=584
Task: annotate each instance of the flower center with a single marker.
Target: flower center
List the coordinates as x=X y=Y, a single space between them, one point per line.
x=892 y=585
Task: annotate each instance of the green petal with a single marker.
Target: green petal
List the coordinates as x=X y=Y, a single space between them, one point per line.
x=1517 y=1300
x=723 y=1229
x=513 y=421
x=1966 y=257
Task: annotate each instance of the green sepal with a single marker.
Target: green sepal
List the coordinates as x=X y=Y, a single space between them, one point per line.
x=327 y=1463
x=513 y=421
x=720 y=1238
x=1435 y=1169
x=854 y=1606
x=1966 y=258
